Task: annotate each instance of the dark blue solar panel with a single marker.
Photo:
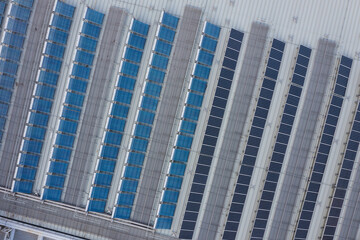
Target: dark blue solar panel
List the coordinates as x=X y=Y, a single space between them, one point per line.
x=219 y=102
x=211 y=141
x=300 y=70
x=227 y=74
x=278 y=45
x=276 y=54
x=271 y=73
x=346 y=61
x=234 y=44
x=223 y=93
x=212 y=131
x=232 y=54
x=261 y=112
x=266 y=93
x=297 y=79
x=344 y=71
x=216 y=122
x=274 y=63
x=236 y=35
x=207 y=150
x=304 y=61
x=270 y=84
x=305 y=51
x=224 y=83
x=229 y=63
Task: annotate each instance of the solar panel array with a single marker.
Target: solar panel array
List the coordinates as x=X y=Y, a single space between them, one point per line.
x=146 y=115
x=254 y=140
x=43 y=97
x=347 y=165
x=11 y=49
x=212 y=131
x=282 y=140
x=323 y=151
x=67 y=96
x=118 y=115
x=187 y=128
x=3 y=5
x=73 y=104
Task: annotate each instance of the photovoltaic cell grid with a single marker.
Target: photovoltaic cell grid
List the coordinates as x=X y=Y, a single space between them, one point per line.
x=345 y=171
x=2 y=11
x=323 y=151
x=281 y=143
x=11 y=48
x=74 y=99
x=145 y=115
x=187 y=127
x=254 y=140
x=118 y=115
x=43 y=98
x=211 y=133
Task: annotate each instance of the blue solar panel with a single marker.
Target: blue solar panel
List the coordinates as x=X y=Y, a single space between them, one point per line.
x=99 y=193
x=159 y=61
x=106 y=165
x=25 y=3
x=208 y=44
x=61 y=22
x=133 y=55
x=126 y=82
x=146 y=117
x=140 y=27
x=201 y=71
x=51 y=64
x=123 y=97
x=54 y=50
x=14 y=40
x=136 y=41
x=142 y=131
x=166 y=34
x=61 y=154
x=20 y=12
x=10 y=53
x=163 y=223
x=52 y=194
x=163 y=47
x=212 y=30
x=94 y=16
x=91 y=30
x=57 y=36
x=8 y=67
x=64 y=9
x=191 y=113
x=169 y=20
x=87 y=44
